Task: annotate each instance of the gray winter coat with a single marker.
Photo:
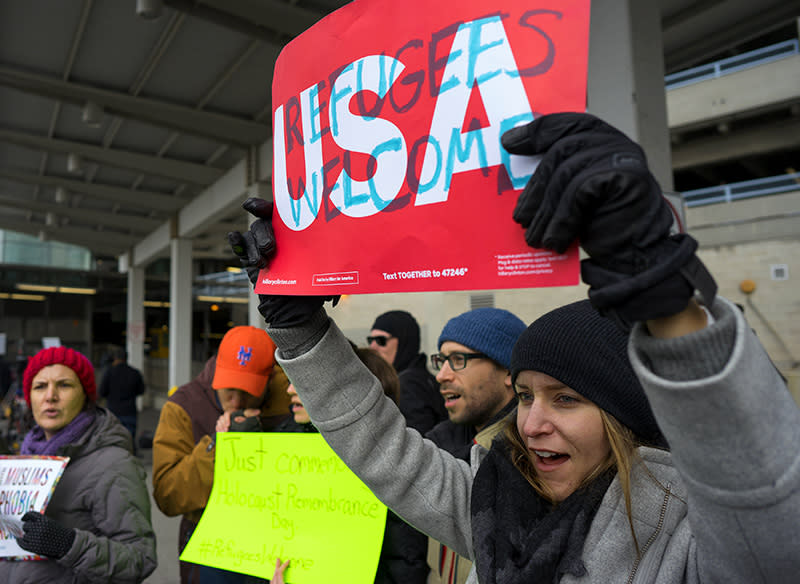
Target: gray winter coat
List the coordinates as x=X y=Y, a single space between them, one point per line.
x=103 y=495
x=723 y=506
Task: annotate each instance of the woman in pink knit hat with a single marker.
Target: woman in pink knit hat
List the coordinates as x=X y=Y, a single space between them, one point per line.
x=97 y=525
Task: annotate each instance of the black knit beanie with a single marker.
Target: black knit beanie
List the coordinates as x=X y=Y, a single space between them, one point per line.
x=588 y=353
x=402 y=325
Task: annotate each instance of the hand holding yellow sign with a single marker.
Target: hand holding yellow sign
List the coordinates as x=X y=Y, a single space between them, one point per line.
x=287 y=496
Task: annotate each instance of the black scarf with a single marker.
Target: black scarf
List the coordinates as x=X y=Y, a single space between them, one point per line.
x=519 y=537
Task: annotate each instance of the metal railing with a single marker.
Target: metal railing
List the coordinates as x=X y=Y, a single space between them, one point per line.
x=743 y=190
x=732 y=64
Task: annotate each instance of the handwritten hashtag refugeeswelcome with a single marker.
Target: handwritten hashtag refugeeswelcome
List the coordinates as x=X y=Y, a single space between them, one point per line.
x=205 y=548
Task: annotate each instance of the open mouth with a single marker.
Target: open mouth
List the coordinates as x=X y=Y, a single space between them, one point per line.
x=548 y=459
x=450 y=398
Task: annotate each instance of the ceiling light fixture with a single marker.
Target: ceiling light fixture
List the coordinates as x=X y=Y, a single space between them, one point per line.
x=37 y=297
x=228 y=299
x=74 y=163
x=36 y=288
x=73 y=290
x=54 y=289
x=149 y=9
x=62 y=196
x=210 y=299
x=92 y=114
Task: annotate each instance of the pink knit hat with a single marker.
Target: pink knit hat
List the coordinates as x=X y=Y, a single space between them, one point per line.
x=60 y=356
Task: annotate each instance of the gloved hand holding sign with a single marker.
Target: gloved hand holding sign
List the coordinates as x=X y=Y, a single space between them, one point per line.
x=44 y=536
x=593 y=185
x=255 y=249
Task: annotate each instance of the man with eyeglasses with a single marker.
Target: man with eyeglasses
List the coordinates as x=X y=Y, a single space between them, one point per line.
x=475 y=382
x=395 y=336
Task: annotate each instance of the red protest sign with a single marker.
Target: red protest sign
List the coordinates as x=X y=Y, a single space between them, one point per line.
x=388 y=172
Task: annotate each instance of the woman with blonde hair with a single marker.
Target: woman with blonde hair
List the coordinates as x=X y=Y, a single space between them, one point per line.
x=582 y=488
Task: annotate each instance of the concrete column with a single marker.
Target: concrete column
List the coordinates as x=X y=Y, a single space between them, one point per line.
x=180 y=312
x=135 y=317
x=626 y=77
x=254 y=317
x=87 y=325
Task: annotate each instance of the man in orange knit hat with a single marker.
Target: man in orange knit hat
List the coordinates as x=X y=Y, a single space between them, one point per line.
x=243 y=380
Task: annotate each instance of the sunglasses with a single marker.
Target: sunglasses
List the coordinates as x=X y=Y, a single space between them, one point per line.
x=379 y=340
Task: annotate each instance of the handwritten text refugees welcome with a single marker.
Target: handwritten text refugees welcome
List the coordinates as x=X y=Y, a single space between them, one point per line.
x=387 y=161
x=479 y=58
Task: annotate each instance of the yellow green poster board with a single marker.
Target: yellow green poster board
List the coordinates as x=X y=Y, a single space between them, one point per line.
x=288 y=496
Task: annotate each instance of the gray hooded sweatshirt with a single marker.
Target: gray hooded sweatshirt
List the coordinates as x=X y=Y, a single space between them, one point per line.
x=722 y=506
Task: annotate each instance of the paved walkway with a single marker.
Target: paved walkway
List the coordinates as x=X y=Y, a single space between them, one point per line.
x=166 y=528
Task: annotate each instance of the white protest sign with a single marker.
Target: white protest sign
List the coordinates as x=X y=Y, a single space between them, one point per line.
x=26 y=484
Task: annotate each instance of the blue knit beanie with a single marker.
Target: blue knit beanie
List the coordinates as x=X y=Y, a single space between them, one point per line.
x=589 y=354
x=491 y=331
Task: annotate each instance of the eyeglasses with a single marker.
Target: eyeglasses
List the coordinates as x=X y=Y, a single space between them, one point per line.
x=457 y=361
x=380 y=340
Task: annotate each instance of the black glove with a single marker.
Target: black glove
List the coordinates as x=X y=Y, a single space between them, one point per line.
x=593 y=185
x=248 y=424
x=255 y=249
x=44 y=536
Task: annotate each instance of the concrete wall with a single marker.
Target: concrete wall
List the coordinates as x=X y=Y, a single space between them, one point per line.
x=758 y=239
x=765 y=218
x=773 y=309
x=766 y=86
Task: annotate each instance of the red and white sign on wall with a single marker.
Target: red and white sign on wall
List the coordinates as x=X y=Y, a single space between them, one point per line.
x=388 y=171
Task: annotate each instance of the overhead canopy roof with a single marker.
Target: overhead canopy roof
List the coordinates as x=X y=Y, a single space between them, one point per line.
x=177 y=102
